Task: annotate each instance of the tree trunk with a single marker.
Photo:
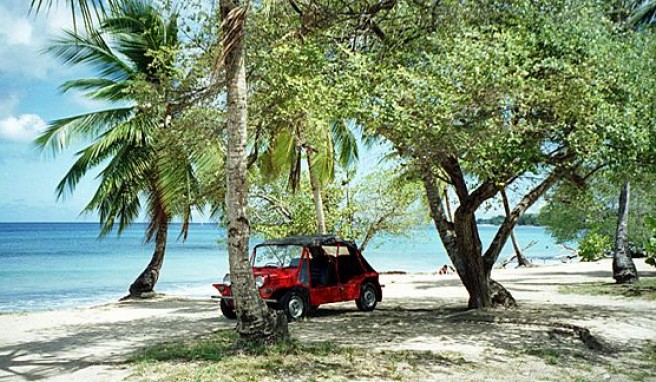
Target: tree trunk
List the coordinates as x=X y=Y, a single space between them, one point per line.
x=143 y=286
x=476 y=280
x=521 y=259
x=316 y=195
x=476 y=276
x=256 y=323
x=462 y=244
x=624 y=270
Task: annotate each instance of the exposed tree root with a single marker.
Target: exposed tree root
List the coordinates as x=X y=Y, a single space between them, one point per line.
x=582 y=333
x=555 y=329
x=501 y=297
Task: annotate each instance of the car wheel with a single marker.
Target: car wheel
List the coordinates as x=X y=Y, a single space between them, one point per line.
x=227 y=310
x=367 y=300
x=294 y=304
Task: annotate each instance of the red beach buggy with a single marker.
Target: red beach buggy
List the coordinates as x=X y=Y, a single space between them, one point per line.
x=300 y=273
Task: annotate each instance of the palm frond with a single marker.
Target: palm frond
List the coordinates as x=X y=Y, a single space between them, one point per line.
x=122 y=204
x=644 y=14
x=88 y=158
x=283 y=154
x=86 y=9
x=60 y=133
x=346 y=145
x=323 y=165
x=91 y=49
x=98 y=89
x=177 y=186
x=295 y=166
x=121 y=182
x=139 y=31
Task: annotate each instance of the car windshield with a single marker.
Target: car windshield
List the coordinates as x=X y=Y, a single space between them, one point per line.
x=280 y=256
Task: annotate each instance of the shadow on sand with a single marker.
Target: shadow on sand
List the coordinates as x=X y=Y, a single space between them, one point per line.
x=69 y=348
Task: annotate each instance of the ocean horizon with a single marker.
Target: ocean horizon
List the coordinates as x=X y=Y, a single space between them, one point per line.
x=50 y=266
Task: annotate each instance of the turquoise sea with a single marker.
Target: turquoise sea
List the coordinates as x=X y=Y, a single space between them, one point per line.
x=47 y=266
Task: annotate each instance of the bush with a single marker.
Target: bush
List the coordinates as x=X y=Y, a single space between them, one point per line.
x=593 y=245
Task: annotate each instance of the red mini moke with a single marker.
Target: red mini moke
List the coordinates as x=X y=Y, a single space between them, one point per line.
x=297 y=274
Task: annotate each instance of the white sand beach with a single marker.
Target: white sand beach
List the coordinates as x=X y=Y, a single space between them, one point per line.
x=419 y=312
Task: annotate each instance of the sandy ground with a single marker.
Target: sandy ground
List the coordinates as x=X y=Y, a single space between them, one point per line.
x=419 y=312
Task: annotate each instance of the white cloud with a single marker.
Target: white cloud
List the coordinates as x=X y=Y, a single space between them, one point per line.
x=15 y=31
x=23 y=38
x=23 y=128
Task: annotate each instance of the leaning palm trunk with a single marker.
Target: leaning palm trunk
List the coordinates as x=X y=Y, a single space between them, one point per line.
x=256 y=323
x=144 y=285
x=624 y=270
x=316 y=195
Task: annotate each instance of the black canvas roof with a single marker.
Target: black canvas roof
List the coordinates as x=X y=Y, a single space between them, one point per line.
x=310 y=241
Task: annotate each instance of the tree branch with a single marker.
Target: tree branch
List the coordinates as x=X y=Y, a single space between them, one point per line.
x=484 y=192
x=444 y=227
x=296 y=8
x=452 y=168
x=284 y=211
x=375 y=227
x=493 y=251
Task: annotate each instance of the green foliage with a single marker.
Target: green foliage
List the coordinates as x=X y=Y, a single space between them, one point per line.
x=571 y=210
x=539 y=62
x=376 y=203
x=593 y=245
x=275 y=212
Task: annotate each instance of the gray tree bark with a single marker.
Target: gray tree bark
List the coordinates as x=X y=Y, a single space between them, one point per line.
x=624 y=270
x=521 y=259
x=256 y=323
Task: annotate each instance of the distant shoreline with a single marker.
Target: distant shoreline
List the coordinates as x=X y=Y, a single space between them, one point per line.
x=524 y=220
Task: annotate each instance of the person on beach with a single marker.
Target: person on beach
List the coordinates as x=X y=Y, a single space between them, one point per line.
x=446 y=270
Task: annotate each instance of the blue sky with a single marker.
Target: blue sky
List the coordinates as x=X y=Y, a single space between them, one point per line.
x=28 y=100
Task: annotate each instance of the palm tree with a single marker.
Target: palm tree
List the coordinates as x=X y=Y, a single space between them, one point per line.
x=643 y=12
x=256 y=323
x=323 y=147
x=126 y=137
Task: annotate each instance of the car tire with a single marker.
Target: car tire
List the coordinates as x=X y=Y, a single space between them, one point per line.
x=367 y=300
x=294 y=304
x=227 y=310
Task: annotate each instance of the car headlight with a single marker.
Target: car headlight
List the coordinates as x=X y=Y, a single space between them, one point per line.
x=226 y=279
x=259 y=281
